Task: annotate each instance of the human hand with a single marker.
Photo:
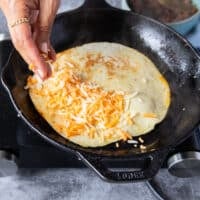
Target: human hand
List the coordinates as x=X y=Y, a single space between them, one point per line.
x=31 y=37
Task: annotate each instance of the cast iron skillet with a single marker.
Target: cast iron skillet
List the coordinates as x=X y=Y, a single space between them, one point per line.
x=172 y=54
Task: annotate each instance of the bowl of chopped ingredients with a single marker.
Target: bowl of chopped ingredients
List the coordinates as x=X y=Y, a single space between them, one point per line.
x=180 y=15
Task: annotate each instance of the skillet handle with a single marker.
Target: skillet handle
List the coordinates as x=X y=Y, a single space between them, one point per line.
x=156 y=160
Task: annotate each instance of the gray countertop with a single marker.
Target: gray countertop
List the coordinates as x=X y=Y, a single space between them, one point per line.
x=83 y=184
x=70 y=184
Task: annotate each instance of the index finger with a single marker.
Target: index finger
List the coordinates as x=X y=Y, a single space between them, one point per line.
x=23 y=41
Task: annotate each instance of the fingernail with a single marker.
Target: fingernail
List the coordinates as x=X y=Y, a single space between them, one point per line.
x=41 y=74
x=44 y=47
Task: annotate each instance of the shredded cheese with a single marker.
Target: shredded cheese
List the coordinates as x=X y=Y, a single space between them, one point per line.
x=149 y=115
x=86 y=107
x=96 y=94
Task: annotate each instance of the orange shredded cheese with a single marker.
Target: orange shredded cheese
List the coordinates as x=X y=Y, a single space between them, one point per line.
x=150 y=115
x=126 y=135
x=130 y=120
x=31 y=67
x=85 y=106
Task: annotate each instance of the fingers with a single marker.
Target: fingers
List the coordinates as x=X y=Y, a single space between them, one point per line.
x=48 y=9
x=28 y=39
x=24 y=43
x=21 y=34
x=47 y=13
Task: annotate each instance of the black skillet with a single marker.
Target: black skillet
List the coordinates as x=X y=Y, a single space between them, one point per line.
x=171 y=53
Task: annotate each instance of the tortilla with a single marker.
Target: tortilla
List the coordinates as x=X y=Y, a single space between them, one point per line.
x=100 y=93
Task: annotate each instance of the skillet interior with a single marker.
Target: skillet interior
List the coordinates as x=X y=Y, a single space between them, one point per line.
x=174 y=57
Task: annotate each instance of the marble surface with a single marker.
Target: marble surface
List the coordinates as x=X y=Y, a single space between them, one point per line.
x=83 y=184
x=69 y=184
